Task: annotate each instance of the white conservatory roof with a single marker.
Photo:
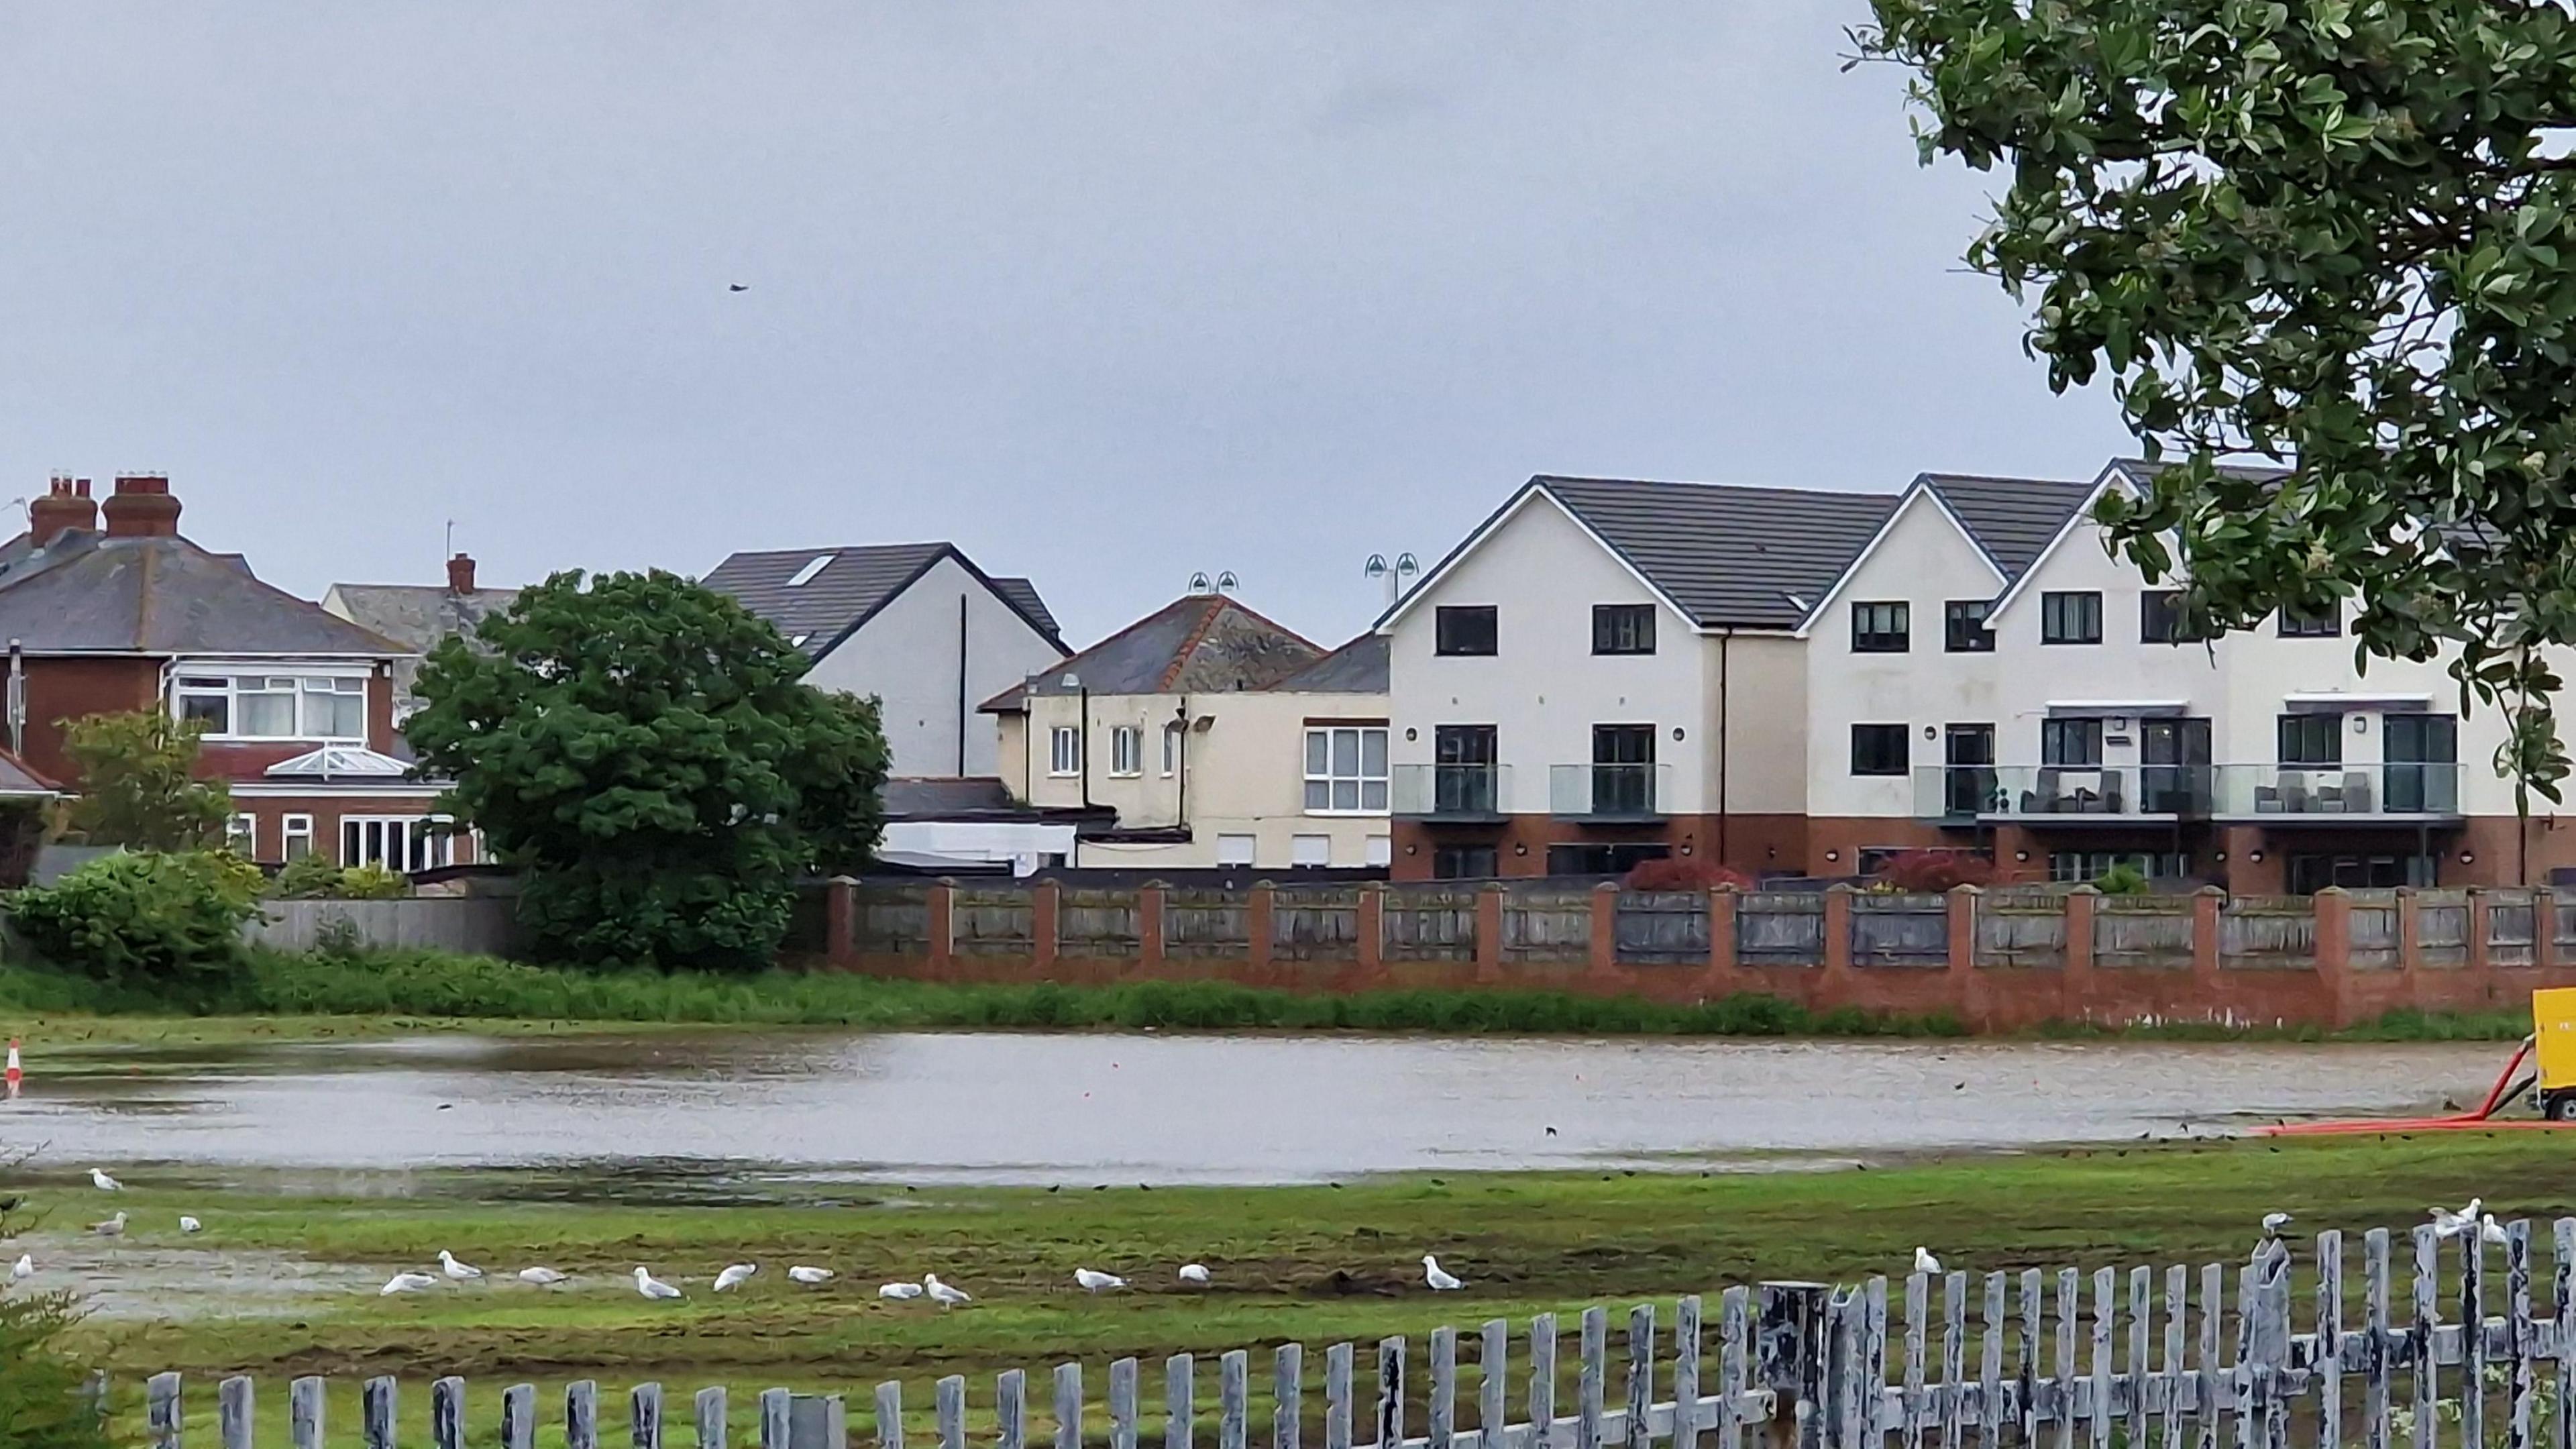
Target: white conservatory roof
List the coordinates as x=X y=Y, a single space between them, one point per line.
x=340 y=762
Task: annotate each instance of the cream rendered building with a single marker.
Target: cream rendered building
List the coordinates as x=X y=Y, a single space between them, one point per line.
x=1215 y=736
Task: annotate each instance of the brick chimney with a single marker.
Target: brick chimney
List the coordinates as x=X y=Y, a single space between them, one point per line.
x=460 y=574
x=141 y=507
x=65 y=504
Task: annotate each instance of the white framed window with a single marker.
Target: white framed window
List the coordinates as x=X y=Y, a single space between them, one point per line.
x=1126 y=750
x=298 y=836
x=275 y=706
x=1171 y=750
x=1310 y=850
x=398 y=843
x=1236 y=849
x=1381 y=850
x=241 y=836
x=1064 y=751
x=1346 y=770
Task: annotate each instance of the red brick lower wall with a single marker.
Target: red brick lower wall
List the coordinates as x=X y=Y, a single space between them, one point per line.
x=1754 y=844
x=2326 y=990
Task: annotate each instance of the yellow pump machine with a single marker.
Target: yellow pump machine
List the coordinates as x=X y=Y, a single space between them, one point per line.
x=2553 y=1050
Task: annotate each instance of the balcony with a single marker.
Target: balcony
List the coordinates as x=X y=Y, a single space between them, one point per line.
x=1451 y=794
x=2060 y=794
x=2331 y=794
x=1638 y=794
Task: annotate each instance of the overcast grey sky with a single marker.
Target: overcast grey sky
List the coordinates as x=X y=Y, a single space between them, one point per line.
x=1107 y=293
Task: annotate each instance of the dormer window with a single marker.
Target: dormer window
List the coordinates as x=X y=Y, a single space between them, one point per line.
x=813 y=566
x=275 y=706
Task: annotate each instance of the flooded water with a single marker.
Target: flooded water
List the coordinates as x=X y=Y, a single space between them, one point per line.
x=750 y=1109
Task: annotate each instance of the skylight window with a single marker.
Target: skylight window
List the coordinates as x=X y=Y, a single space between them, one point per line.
x=799 y=641
x=812 y=567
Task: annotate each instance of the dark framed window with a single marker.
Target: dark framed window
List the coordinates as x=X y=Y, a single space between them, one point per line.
x=2073 y=743
x=2160 y=616
x=2073 y=617
x=1963 y=627
x=1463 y=862
x=1623 y=628
x=1584 y=859
x=1882 y=628
x=2311 y=739
x=1878 y=749
x=1464 y=629
x=2328 y=625
x=1464 y=780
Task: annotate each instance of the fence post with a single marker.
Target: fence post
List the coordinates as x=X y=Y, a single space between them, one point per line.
x=162 y=1414
x=2208 y=939
x=447 y=1413
x=711 y=1418
x=376 y=1412
x=841 y=922
x=2333 y=909
x=939 y=925
x=1371 y=929
x=1838 y=941
x=1046 y=913
x=1489 y=933
x=1149 y=924
x=1789 y=1359
x=304 y=1413
x=1258 y=905
x=2075 y=978
x=2479 y=962
x=2544 y=928
x=644 y=1416
x=1605 y=927
x=235 y=1410
x=1962 y=901
x=519 y=1417
x=1721 y=933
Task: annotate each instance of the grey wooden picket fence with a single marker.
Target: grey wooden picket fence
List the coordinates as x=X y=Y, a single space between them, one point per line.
x=2027 y=1359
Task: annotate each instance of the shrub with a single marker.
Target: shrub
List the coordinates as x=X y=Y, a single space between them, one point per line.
x=2123 y=879
x=308 y=877
x=1936 y=870
x=372 y=882
x=144 y=917
x=41 y=1403
x=1679 y=873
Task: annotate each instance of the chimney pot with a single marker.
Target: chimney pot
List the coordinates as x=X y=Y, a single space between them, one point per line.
x=141 y=507
x=460 y=574
x=61 y=508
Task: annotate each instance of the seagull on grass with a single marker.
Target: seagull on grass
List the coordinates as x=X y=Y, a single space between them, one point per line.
x=652 y=1287
x=103 y=1182
x=1097 y=1282
x=809 y=1276
x=542 y=1277
x=406 y=1283
x=1194 y=1272
x=732 y=1278
x=188 y=1224
x=899 y=1292
x=23 y=1269
x=461 y=1272
x=113 y=1228
x=943 y=1295
x=1440 y=1279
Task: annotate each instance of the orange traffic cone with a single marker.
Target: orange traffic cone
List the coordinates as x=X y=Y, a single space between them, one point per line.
x=14 y=1074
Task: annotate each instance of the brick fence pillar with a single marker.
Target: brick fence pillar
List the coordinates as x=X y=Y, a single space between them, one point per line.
x=1605 y=928
x=1961 y=970
x=2075 y=980
x=1489 y=933
x=1046 y=929
x=2544 y=928
x=2334 y=953
x=941 y=910
x=1721 y=940
x=841 y=922
x=2208 y=941
x=1260 y=910
x=1371 y=929
x=1149 y=926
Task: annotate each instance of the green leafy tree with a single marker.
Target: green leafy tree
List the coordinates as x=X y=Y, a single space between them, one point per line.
x=647 y=751
x=145 y=918
x=138 y=782
x=2334 y=236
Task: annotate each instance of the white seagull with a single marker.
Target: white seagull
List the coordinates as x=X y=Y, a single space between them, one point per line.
x=652 y=1287
x=542 y=1277
x=461 y=1272
x=2273 y=1223
x=113 y=1228
x=406 y=1283
x=24 y=1268
x=941 y=1294
x=2491 y=1231
x=1440 y=1279
x=732 y=1278
x=1194 y=1272
x=103 y=1182
x=188 y=1224
x=1924 y=1262
x=1096 y=1282
x=802 y=1274
x=899 y=1291
x=2449 y=1224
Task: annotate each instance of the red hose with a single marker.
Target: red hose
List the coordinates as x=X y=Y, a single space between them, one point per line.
x=2459 y=1121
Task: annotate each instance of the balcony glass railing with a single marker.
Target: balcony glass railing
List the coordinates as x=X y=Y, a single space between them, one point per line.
x=2401 y=789
x=1959 y=792
x=1451 y=792
x=1609 y=792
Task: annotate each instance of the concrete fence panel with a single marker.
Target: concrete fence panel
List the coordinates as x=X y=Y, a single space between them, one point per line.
x=1900 y=930
x=1551 y=925
x=2277 y=933
x=1663 y=928
x=2142 y=933
x=992 y=921
x=469 y=925
x=1429 y=923
x=1207 y=925
x=2510 y=922
x=2375 y=946
x=1101 y=923
x=2021 y=928
x=1780 y=928
x=1309 y=923
x=2442 y=928
x=892 y=920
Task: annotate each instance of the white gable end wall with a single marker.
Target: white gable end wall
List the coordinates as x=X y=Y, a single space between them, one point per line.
x=908 y=656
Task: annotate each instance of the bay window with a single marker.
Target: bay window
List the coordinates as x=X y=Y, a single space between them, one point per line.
x=275 y=706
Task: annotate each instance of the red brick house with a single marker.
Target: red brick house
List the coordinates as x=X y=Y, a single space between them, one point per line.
x=105 y=607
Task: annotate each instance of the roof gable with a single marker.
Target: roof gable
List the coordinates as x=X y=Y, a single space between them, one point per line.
x=818 y=597
x=2010 y=519
x=1358 y=667
x=1204 y=643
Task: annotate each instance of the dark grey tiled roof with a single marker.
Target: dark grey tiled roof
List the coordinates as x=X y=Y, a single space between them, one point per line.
x=1200 y=644
x=161 y=595
x=850 y=589
x=2012 y=519
x=1749 y=557
x=1358 y=667
x=419 y=615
